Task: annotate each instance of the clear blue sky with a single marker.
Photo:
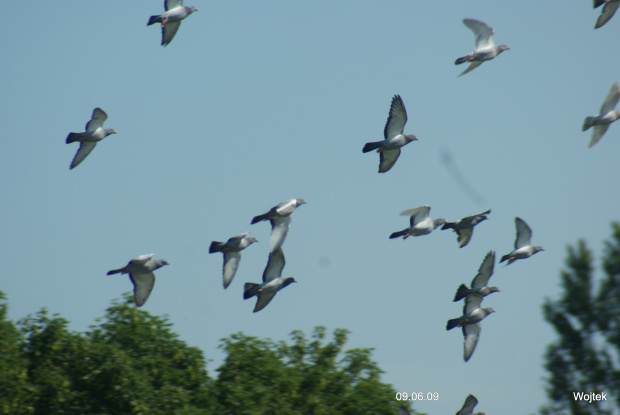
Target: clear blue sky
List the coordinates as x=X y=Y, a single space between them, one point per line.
x=256 y=102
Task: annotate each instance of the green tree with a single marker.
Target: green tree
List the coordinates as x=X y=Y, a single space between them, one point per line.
x=587 y=319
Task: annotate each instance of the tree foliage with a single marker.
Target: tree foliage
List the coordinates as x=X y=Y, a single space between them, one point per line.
x=587 y=319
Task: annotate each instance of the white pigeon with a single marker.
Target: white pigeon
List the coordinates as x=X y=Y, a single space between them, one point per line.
x=608 y=11
x=468 y=406
x=523 y=249
x=606 y=116
x=280 y=218
x=480 y=281
x=420 y=223
x=88 y=139
x=464 y=228
x=232 y=253
x=272 y=281
x=470 y=321
x=389 y=149
x=140 y=272
x=485 y=48
x=171 y=19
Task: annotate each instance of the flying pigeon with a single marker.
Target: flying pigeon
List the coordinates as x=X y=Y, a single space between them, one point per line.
x=606 y=116
x=485 y=47
x=402 y=410
x=272 y=281
x=479 y=283
x=88 y=139
x=232 y=253
x=470 y=321
x=608 y=11
x=523 y=249
x=171 y=19
x=468 y=406
x=280 y=218
x=419 y=222
x=465 y=227
x=140 y=272
x=389 y=149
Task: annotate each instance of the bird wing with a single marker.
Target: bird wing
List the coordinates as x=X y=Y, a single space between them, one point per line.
x=83 y=151
x=471 y=333
x=264 y=298
x=286 y=207
x=279 y=229
x=597 y=133
x=234 y=241
x=485 y=271
x=168 y=32
x=472 y=302
x=608 y=11
x=397 y=118
x=275 y=265
x=402 y=410
x=96 y=121
x=142 y=287
x=468 y=406
x=482 y=31
x=387 y=158
x=172 y=4
x=464 y=235
x=614 y=93
x=524 y=234
x=471 y=67
x=417 y=214
x=231 y=262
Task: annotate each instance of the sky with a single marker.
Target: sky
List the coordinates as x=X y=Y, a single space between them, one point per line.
x=257 y=102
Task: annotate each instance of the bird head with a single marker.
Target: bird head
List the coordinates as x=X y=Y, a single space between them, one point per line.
x=502 y=48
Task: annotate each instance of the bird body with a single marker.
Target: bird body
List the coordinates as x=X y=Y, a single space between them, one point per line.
x=485 y=48
x=280 y=218
x=171 y=19
x=140 y=272
x=420 y=223
x=523 y=249
x=272 y=281
x=89 y=138
x=606 y=116
x=464 y=228
x=232 y=254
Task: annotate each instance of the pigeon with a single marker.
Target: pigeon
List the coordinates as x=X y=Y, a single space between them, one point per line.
x=389 y=149
x=608 y=11
x=272 y=281
x=465 y=227
x=470 y=321
x=419 y=222
x=171 y=19
x=468 y=406
x=88 y=139
x=280 y=218
x=606 y=116
x=140 y=272
x=402 y=410
x=523 y=249
x=232 y=253
x=485 y=47
x=479 y=283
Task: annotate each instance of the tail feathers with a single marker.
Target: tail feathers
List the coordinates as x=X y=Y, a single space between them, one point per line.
x=504 y=258
x=463 y=59
x=216 y=246
x=259 y=218
x=115 y=271
x=73 y=137
x=154 y=19
x=448 y=225
x=371 y=146
x=461 y=292
x=588 y=122
x=249 y=290
x=399 y=233
x=452 y=323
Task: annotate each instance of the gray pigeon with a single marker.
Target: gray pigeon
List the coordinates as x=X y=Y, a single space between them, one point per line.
x=232 y=253
x=606 y=116
x=389 y=149
x=470 y=321
x=608 y=11
x=280 y=218
x=464 y=228
x=468 y=406
x=171 y=19
x=485 y=48
x=420 y=222
x=402 y=410
x=523 y=249
x=140 y=272
x=88 y=139
x=272 y=281
x=479 y=283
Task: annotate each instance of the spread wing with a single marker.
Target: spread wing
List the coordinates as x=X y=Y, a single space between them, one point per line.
x=275 y=265
x=231 y=263
x=608 y=11
x=482 y=31
x=524 y=234
x=83 y=151
x=172 y=4
x=387 y=158
x=279 y=229
x=264 y=298
x=142 y=287
x=464 y=235
x=417 y=214
x=168 y=32
x=471 y=333
x=485 y=271
x=96 y=121
x=471 y=67
x=472 y=302
x=597 y=133
x=468 y=406
x=614 y=93
x=397 y=118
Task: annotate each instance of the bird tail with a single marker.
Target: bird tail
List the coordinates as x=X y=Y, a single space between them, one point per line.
x=461 y=292
x=73 y=137
x=399 y=234
x=463 y=59
x=588 y=122
x=448 y=225
x=249 y=290
x=259 y=218
x=115 y=271
x=371 y=146
x=216 y=246
x=452 y=323
x=504 y=258
x=154 y=19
